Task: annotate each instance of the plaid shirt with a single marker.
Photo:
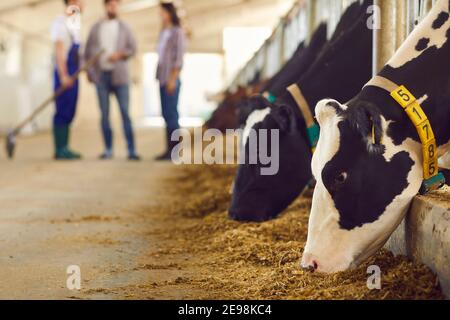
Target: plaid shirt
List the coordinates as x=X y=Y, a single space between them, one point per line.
x=173 y=49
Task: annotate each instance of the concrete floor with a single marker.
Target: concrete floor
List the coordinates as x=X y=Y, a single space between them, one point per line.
x=90 y=213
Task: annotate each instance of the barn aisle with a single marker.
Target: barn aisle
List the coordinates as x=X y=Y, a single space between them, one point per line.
x=91 y=214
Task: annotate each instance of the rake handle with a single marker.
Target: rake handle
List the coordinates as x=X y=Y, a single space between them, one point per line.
x=56 y=94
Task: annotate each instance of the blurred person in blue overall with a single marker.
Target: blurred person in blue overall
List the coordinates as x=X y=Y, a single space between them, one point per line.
x=111 y=74
x=171 y=49
x=65 y=34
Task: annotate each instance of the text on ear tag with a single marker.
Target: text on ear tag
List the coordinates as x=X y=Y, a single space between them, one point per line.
x=403 y=96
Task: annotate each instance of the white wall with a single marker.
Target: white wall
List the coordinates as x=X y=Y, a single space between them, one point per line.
x=25 y=79
x=202 y=74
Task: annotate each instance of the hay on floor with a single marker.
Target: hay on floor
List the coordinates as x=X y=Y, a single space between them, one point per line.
x=261 y=261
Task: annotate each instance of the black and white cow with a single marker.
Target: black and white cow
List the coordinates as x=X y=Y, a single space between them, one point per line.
x=288 y=65
x=368 y=162
x=340 y=71
x=300 y=63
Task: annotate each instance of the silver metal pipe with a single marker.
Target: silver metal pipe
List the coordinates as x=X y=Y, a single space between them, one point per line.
x=385 y=37
x=401 y=21
x=312 y=17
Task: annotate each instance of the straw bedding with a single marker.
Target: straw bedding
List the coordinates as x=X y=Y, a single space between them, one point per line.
x=261 y=261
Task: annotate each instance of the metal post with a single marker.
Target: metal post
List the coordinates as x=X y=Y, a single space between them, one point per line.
x=401 y=18
x=427 y=5
x=410 y=16
x=312 y=17
x=335 y=13
x=385 y=38
x=282 y=37
x=264 y=70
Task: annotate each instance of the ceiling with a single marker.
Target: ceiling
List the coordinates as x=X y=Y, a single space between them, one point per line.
x=206 y=19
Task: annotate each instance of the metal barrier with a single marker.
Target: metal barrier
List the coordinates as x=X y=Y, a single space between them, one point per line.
x=397 y=19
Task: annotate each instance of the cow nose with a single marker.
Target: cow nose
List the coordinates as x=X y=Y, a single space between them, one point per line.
x=310 y=267
x=309 y=263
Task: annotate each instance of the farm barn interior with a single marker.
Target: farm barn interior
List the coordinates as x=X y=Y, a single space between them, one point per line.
x=232 y=149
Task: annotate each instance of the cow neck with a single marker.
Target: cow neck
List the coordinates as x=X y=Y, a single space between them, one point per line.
x=295 y=97
x=433 y=179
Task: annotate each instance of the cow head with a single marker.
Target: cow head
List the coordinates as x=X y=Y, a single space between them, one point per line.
x=258 y=197
x=365 y=184
x=227 y=113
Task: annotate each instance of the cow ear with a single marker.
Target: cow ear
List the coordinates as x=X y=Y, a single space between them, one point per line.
x=366 y=119
x=248 y=105
x=285 y=118
x=326 y=110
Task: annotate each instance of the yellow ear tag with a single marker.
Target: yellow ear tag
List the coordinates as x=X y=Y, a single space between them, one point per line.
x=430 y=161
x=403 y=96
x=433 y=179
x=373 y=135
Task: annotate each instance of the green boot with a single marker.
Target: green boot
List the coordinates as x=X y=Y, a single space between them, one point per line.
x=71 y=153
x=62 y=151
x=59 y=140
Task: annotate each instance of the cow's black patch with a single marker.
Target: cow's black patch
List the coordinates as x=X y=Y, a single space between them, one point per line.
x=446 y=174
x=422 y=44
x=440 y=20
x=335 y=105
x=258 y=197
x=365 y=118
x=248 y=106
x=372 y=182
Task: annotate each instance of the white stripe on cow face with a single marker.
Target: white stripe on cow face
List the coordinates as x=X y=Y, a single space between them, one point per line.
x=424 y=36
x=253 y=119
x=329 y=246
x=329 y=139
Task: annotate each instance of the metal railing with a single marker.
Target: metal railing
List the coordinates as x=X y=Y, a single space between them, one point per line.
x=397 y=19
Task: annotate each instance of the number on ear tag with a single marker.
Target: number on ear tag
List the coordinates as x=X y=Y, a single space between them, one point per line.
x=426 y=133
x=430 y=160
x=430 y=169
x=403 y=96
x=416 y=114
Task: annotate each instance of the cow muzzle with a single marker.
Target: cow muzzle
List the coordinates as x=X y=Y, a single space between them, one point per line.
x=313 y=263
x=309 y=263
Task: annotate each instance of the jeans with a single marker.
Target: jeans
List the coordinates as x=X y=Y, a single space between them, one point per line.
x=169 y=105
x=104 y=89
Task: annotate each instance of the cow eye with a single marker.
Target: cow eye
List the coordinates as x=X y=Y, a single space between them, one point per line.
x=341 y=178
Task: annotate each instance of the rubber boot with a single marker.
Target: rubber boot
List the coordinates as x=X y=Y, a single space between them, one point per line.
x=62 y=144
x=71 y=153
x=59 y=141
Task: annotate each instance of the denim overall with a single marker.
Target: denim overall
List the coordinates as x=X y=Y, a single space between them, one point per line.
x=66 y=105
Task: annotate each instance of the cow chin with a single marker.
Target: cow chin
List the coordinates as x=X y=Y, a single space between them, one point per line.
x=331 y=249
